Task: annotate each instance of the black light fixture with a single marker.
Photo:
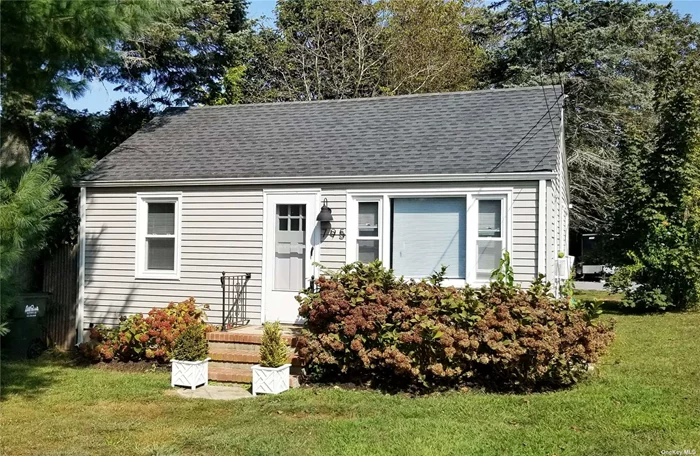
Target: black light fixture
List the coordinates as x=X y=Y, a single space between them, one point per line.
x=325 y=217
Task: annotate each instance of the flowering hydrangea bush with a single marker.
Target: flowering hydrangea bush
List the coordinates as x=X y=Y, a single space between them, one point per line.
x=150 y=337
x=364 y=324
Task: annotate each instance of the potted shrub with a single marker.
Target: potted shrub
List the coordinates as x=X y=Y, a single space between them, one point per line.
x=271 y=376
x=190 y=363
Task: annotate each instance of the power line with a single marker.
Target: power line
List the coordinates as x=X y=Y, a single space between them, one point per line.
x=544 y=92
x=527 y=136
x=554 y=46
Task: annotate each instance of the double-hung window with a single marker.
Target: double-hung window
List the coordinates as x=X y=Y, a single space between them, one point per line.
x=158 y=243
x=490 y=241
x=368 y=231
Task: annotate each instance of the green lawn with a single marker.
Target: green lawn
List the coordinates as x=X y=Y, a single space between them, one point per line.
x=644 y=398
x=603 y=296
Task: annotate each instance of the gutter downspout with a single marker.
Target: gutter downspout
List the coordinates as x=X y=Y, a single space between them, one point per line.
x=79 y=318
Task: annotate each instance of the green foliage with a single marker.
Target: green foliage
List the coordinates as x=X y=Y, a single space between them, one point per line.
x=50 y=48
x=568 y=287
x=429 y=47
x=504 y=275
x=232 y=92
x=656 y=217
x=643 y=396
x=591 y=308
x=606 y=55
x=191 y=344
x=28 y=206
x=184 y=57
x=365 y=324
x=273 y=350
x=321 y=49
x=139 y=338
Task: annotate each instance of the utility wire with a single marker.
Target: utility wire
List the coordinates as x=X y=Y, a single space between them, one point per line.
x=544 y=91
x=554 y=46
x=520 y=144
x=548 y=112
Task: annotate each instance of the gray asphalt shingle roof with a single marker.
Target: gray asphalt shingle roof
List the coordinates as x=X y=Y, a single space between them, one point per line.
x=446 y=133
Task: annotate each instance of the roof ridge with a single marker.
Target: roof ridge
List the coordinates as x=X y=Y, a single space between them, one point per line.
x=371 y=99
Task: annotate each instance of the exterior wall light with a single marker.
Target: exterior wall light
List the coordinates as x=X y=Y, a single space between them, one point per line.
x=325 y=217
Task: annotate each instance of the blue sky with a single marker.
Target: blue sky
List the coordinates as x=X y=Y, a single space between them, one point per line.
x=100 y=96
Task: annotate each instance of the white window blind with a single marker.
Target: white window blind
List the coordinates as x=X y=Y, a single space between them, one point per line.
x=428 y=233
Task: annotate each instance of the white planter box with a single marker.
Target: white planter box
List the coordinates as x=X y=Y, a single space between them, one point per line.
x=270 y=380
x=190 y=373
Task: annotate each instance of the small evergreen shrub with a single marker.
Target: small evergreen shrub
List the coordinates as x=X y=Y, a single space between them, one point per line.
x=138 y=338
x=364 y=324
x=191 y=344
x=273 y=350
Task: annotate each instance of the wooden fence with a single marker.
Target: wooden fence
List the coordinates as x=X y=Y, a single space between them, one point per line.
x=60 y=277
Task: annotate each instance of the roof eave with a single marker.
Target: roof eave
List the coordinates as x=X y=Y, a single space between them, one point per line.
x=472 y=177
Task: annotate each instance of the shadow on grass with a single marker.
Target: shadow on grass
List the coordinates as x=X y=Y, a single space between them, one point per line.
x=611 y=303
x=30 y=378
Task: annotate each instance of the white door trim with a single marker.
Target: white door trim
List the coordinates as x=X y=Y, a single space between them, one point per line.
x=267 y=232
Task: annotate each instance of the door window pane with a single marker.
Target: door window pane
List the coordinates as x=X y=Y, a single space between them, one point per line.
x=367 y=251
x=489 y=218
x=429 y=233
x=368 y=219
x=161 y=218
x=488 y=258
x=290 y=247
x=161 y=253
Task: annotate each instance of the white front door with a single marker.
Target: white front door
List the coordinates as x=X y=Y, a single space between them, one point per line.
x=290 y=252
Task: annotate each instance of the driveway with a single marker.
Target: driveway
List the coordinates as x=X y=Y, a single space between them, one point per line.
x=589 y=285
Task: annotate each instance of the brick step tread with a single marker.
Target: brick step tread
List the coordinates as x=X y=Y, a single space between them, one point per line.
x=238 y=375
x=243 y=356
x=242 y=338
x=230 y=375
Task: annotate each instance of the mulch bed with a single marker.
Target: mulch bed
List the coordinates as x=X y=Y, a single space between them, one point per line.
x=141 y=366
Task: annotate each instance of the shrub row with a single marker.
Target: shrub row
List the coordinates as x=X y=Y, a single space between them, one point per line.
x=364 y=324
x=150 y=337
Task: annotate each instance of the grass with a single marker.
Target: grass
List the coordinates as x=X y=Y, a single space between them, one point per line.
x=603 y=296
x=643 y=398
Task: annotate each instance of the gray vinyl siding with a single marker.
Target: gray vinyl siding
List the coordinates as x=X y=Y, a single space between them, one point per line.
x=525 y=218
x=222 y=230
x=332 y=254
x=557 y=215
x=552 y=233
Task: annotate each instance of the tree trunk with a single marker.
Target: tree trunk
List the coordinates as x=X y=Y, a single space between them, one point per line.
x=15 y=149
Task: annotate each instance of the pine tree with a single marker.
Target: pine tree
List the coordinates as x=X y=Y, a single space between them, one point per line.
x=27 y=208
x=657 y=217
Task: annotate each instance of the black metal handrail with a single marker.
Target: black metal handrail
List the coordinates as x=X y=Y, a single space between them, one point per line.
x=234 y=300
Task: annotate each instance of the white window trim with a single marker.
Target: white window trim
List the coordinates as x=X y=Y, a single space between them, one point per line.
x=471 y=195
x=352 y=231
x=142 y=200
x=473 y=230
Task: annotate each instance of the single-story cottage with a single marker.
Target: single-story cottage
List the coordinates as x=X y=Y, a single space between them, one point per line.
x=266 y=193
